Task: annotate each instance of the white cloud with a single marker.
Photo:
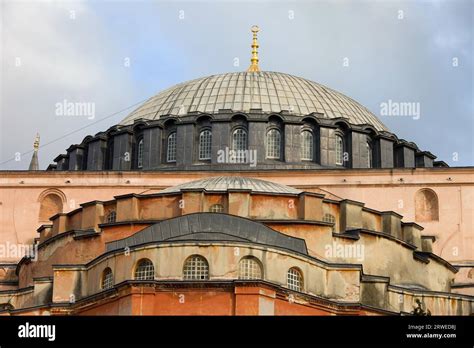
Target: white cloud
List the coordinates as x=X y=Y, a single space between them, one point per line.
x=65 y=53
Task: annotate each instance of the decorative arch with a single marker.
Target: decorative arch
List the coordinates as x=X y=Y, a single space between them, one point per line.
x=138 y=125
x=86 y=140
x=343 y=125
x=426 y=205
x=170 y=122
x=275 y=119
x=310 y=120
x=239 y=117
x=204 y=118
x=370 y=130
x=51 y=202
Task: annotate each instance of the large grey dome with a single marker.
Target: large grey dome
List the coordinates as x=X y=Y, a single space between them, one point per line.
x=242 y=91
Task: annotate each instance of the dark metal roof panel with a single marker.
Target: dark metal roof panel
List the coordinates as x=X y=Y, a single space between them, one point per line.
x=211 y=226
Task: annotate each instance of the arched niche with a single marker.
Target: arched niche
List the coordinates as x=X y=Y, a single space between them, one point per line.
x=51 y=202
x=426 y=205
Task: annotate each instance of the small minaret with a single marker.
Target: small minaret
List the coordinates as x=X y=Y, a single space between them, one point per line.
x=34 y=164
x=254 y=60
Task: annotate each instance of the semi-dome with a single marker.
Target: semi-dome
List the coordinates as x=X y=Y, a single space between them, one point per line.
x=238 y=183
x=272 y=92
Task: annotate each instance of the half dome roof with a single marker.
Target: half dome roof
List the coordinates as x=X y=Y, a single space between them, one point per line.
x=271 y=92
x=224 y=183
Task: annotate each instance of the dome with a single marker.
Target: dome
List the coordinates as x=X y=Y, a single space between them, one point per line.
x=224 y=183
x=271 y=92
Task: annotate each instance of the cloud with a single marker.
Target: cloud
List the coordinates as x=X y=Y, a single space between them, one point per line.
x=82 y=60
x=56 y=51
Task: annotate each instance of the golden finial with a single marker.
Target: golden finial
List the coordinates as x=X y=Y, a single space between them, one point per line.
x=37 y=142
x=254 y=60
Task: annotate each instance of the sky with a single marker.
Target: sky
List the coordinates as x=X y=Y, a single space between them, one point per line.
x=113 y=55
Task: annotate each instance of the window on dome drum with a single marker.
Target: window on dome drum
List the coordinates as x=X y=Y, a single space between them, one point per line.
x=140 y=154
x=369 y=155
x=111 y=217
x=339 y=150
x=273 y=144
x=144 y=270
x=205 y=141
x=294 y=279
x=240 y=144
x=196 y=268
x=249 y=268
x=330 y=218
x=107 y=280
x=171 y=148
x=216 y=208
x=307 y=149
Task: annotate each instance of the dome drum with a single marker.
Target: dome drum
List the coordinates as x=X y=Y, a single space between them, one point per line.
x=242 y=141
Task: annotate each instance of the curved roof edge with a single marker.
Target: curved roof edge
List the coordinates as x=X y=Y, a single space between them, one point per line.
x=208 y=226
x=238 y=183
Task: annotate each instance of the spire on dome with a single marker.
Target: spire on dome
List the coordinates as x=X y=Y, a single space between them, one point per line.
x=34 y=164
x=254 y=60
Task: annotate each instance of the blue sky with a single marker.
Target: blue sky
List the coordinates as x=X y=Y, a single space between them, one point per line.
x=79 y=56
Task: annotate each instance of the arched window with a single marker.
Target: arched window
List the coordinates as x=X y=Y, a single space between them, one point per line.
x=249 y=268
x=216 y=208
x=140 y=154
x=273 y=144
x=196 y=268
x=369 y=154
x=307 y=146
x=107 y=280
x=171 y=148
x=426 y=206
x=144 y=270
x=111 y=217
x=339 y=150
x=294 y=279
x=240 y=144
x=331 y=219
x=50 y=205
x=205 y=141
